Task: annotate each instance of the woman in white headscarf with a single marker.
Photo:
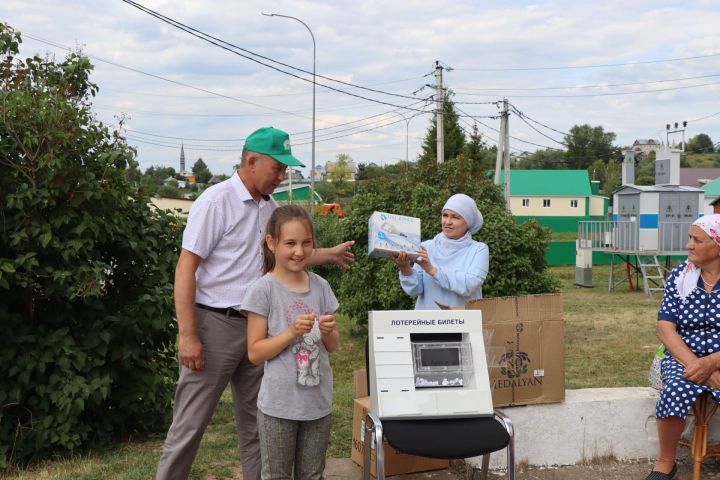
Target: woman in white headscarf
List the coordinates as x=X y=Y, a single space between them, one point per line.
x=689 y=327
x=451 y=268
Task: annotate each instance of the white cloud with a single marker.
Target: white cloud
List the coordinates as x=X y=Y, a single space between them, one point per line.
x=391 y=46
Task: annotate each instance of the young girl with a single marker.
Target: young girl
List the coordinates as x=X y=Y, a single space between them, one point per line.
x=291 y=327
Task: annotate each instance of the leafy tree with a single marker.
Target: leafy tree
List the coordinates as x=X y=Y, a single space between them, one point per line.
x=87 y=350
x=366 y=172
x=645 y=169
x=453 y=136
x=170 y=190
x=158 y=174
x=700 y=143
x=586 y=144
x=201 y=171
x=549 y=159
x=339 y=171
x=608 y=173
x=326 y=190
x=477 y=151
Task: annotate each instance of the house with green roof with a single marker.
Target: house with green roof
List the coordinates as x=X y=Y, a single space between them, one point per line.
x=558 y=199
x=712 y=195
x=300 y=194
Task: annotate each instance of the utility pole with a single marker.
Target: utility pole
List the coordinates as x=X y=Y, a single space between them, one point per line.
x=439 y=113
x=668 y=132
x=503 y=152
x=506 y=152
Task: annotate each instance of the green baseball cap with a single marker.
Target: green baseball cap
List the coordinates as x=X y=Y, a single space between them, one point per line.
x=273 y=142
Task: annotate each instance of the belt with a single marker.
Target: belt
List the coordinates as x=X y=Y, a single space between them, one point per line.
x=228 y=312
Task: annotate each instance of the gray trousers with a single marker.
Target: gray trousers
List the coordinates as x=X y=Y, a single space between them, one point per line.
x=224 y=341
x=288 y=445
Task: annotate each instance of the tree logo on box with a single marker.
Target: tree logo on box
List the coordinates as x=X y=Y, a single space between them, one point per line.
x=515 y=363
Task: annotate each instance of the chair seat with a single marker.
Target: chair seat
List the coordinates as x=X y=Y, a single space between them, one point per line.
x=447 y=438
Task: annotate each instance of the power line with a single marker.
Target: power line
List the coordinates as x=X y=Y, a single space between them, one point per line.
x=538 y=122
x=201 y=148
x=704 y=118
x=657 y=90
x=514 y=138
x=165 y=79
x=576 y=67
x=571 y=87
x=224 y=45
x=292 y=134
x=522 y=118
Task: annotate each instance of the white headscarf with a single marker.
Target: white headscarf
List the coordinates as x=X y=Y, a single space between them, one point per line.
x=687 y=280
x=467 y=209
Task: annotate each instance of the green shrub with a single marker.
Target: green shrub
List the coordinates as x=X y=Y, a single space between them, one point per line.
x=86 y=270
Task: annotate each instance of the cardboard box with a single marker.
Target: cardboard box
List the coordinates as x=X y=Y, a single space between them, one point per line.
x=527 y=349
x=389 y=233
x=396 y=462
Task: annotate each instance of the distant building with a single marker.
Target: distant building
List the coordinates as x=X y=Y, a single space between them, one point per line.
x=171 y=180
x=300 y=194
x=188 y=176
x=214 y=180
x=320 y=172
x=182 y=157
x=712 y=196
x=558 y=199
x=172 y=204
x=646 y=145
x=351 y=166
x=697 y=177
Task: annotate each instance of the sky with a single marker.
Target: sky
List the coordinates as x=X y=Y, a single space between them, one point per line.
x=629 y=66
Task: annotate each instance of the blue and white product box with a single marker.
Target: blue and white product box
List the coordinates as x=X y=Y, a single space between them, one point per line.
x=389 y=233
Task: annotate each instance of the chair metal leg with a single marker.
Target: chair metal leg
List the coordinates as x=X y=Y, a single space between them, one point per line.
x=373 y=433
x=485 y=466
x=511 y=445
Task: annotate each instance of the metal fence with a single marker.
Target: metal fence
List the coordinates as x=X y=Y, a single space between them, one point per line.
x=624 y=235
x=600 y=235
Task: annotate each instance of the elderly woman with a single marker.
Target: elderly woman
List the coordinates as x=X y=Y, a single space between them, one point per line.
x=452 y=267
x=689 y=327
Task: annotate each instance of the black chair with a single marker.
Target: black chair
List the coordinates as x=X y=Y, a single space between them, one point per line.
x=446 y=438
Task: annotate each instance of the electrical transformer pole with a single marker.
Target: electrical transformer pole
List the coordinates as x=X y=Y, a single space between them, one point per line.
x=439 y=113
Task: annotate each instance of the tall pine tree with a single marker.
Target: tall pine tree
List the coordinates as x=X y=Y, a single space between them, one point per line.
x=454 y=137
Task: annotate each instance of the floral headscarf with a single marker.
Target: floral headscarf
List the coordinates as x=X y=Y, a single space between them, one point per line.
x=688 y=278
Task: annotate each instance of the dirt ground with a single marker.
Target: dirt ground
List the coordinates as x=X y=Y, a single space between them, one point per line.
x=611 y=470
x=345 y=469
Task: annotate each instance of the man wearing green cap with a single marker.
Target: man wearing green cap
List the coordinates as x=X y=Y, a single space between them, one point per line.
x=221 y=255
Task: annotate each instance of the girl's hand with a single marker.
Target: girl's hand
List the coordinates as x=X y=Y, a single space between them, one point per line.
x=302 y=325
x=327 y=323
x=424 y=262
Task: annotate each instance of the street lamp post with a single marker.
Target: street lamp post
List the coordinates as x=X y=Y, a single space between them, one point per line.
x=407 y=133
x=312 y=161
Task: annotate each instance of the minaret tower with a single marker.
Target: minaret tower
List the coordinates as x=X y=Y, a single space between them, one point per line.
x=182 y=157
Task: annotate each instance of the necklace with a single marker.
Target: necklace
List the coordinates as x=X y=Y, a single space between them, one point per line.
x=707 y=284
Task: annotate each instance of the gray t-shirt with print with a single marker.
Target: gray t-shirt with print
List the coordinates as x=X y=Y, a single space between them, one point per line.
x=298 y=382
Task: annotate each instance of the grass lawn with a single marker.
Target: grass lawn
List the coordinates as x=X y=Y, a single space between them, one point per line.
x=609 y=342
